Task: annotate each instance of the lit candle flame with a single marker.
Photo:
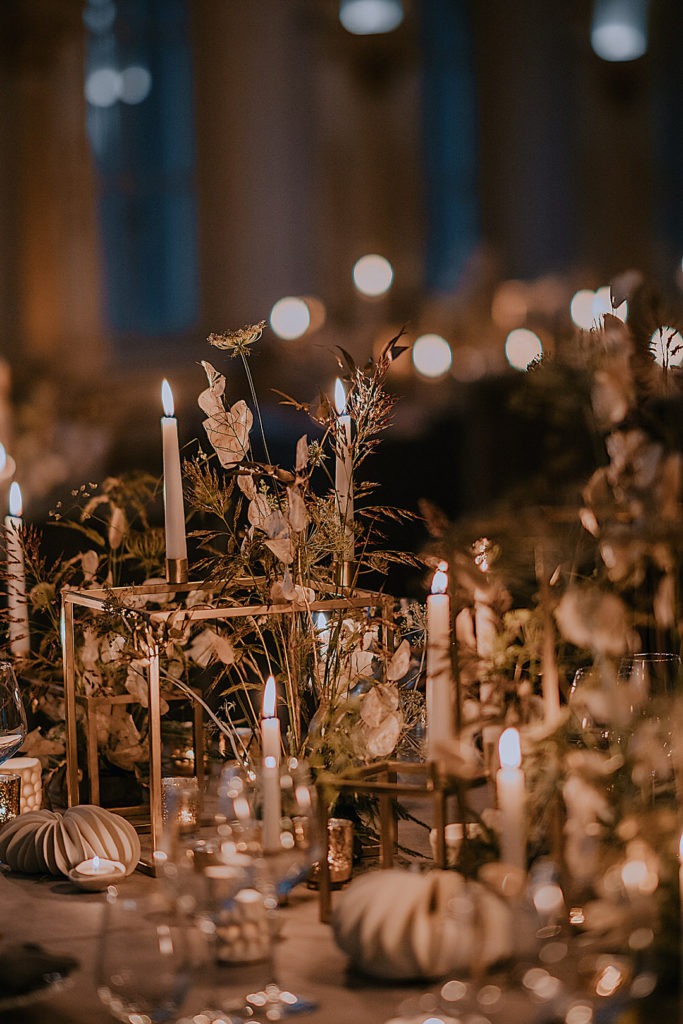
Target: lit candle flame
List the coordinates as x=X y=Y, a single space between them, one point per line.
x=509 y=749
x=96 y=863
x=16 y=506
x=269 y=698
x=270 y=762
x=3 y=457
x=167 y=398
x=339 y=397
x=440 y=579
x=680 y=847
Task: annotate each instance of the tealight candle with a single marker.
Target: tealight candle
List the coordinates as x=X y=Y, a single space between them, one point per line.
x=270 y=723
x=510 y=789
x=97 y=873
x=17 y=604
x=344 y=472
x=174 y=510
x=439 y=668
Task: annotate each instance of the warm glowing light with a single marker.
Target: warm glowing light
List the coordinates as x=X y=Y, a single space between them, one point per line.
x=290 y=318
x=509 y=749
x=136 y=83
x=167 y=398
x=579 y=1013
x=370 y=17
x=548 y=898
x=619 y=29
x=269 y=697
x=440 y=579
x=432 y=356
x=373 y=275
x=608 y=981
x=680 y=848
x=270 y=761
x=581 y=308
x=16 y=505
x=3 y=457
x=339 y=397
x=522 y=347
x=666 y=345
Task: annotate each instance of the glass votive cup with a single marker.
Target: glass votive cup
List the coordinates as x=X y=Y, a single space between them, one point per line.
x=180 y=802
x=10 y=796
x=339 y=855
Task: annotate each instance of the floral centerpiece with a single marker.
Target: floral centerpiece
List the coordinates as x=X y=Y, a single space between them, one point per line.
x=262 y=535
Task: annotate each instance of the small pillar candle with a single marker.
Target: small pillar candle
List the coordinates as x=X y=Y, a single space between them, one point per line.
x=439 y=668
x=17 y=604
x=510 y=789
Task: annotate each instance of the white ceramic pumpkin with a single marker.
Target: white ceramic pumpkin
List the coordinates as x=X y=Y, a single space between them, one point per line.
x=52 y=842
x=402 y=924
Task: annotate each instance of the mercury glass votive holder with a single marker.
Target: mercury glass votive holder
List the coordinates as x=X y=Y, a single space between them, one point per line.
x=340 y=853
x=10 y=796
x=180 y=802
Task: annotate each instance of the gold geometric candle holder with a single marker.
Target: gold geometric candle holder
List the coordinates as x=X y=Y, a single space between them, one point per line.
x=99 y=601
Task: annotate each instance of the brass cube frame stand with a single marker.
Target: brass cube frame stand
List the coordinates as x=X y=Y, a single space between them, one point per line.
x=92 y=704
x=382 y=779
x=99 y=600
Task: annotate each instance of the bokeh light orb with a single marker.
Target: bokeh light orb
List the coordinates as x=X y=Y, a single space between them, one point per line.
x=666 y=345
x=370 y=17
x=103 y=87
x=522 y=347
x=432 y=356
x=617 y=37
x=290 y=318
x=581 y=308
x=602 y=302
x=136 y=83
x=373 y=275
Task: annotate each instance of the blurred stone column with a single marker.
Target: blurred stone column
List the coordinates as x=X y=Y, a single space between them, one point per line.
x=50 y=289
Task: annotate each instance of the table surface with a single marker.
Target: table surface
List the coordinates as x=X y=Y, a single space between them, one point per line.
x=65 y=920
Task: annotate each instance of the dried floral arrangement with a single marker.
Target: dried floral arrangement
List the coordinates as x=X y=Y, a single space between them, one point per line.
x=581 y=595
x=263 y=535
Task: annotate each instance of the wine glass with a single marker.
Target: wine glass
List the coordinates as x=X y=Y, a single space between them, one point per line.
x=651 y=681
x=286 y=845
x=144 y=960
x=204 y=867
x=12 y=715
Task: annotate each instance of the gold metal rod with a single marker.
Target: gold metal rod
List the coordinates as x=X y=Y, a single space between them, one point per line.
x=154 y=748
x=68 y=656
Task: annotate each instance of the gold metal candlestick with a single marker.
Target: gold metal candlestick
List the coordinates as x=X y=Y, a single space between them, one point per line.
x=176 y=570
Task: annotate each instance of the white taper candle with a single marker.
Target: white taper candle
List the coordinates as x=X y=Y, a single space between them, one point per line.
x=510 y=790
x=439 y=666
x=174 y=511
